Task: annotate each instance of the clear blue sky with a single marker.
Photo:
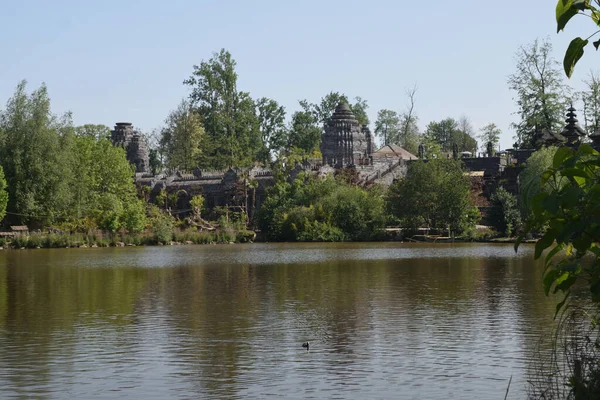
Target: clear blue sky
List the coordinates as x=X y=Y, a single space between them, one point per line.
x=125 y=60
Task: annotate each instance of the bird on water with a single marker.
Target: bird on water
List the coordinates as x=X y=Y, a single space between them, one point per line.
x=306 y=344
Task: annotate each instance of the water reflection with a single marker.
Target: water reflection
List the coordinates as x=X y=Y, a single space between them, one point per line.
x=384 y=320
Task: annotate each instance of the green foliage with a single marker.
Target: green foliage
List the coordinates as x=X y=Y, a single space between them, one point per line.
x=3 y=195
x=434 y=194
x=321 y=210
x=97 y=132
x=271 y=121
x=181 y=138
x=305 y=132
x=228 y=115
x=541 y=95
x=197 y=202
x=567 y=9
x=505 y=212
x=530 y=179
x=161 y=225
x=591 y=103
x=33 y=154
x=447 y=133
x=387 y=126
x=489 y=134
x=570 y=207
x=57 y=174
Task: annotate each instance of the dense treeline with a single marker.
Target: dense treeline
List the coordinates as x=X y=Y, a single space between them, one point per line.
x=314 y=209
x=58 y=174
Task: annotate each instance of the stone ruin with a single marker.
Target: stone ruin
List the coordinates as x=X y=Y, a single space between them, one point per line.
x=123 y=135
x=345 y=142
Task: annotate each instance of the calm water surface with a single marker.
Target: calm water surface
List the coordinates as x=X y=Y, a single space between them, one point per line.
x=383 y=320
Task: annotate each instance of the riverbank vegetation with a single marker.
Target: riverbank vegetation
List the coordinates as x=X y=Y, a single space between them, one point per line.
x=59 y=177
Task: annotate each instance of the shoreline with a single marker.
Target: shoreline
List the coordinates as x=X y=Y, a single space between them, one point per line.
x=79 y=241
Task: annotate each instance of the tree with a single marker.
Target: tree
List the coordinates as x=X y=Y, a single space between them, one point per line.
x=447 y=133
x=359 y=109
x=434 y=194
x=387 y=126
x=104 y=190
x=228 y=115
x=197 y=202
x=541 y=96
x=181 y=138
x=505 y=212
x=530 y=179
x=315 y=209
x=489 y=134
x=465 y=126
x=271 y=121
x=591 y=103
x=34 y=157
x=91 y=130
x=304 y=133
x=3 y=195
x=409 y=134
x=567 y=9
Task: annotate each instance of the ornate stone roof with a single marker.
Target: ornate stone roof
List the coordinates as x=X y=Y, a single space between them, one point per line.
x=343 y=113
x=572 y=132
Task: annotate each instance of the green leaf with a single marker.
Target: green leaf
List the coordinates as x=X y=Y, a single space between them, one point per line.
x=518 y=243
x=573 y=172
x=596 y=44
x=564 y=12
x=561 y=155
x=542 y=244
x=573 y=54
x=586 y=149
x=561 y=304
x=549 y=279
x=554 y=252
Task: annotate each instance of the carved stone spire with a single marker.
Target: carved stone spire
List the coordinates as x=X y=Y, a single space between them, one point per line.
x=345 y=141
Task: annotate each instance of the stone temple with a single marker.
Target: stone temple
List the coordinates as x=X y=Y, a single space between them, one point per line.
x=345 y=144
x=132 y=141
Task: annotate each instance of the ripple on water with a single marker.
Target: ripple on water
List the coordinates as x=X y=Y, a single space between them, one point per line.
x=384 y=321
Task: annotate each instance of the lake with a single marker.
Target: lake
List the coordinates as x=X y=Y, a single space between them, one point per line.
x=384 y=320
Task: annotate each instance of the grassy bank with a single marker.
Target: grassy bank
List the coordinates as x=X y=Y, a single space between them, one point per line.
x=100 y=239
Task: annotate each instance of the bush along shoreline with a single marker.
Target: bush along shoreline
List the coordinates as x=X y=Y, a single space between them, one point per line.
x=99 y=239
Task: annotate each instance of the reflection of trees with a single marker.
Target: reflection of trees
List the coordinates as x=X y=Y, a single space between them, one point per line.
x=41 y=308
x=222 y=328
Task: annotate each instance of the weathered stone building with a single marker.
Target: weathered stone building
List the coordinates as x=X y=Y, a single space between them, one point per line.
x=345 y=144
x=125 y=136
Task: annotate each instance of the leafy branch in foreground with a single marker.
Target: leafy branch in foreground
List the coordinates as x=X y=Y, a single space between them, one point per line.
x=565 y=11
x=571 y=211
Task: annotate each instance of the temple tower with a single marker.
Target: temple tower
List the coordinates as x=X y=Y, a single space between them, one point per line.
x=345 y=142
x=572 y=132
x=132 y=141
